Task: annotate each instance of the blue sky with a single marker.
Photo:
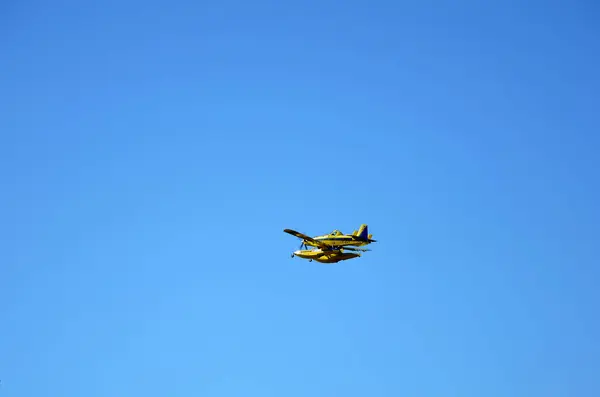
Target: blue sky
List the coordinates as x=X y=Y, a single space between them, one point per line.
x=152 y=154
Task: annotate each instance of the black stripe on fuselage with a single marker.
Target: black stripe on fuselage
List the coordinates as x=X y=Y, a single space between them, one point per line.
x=336 y=238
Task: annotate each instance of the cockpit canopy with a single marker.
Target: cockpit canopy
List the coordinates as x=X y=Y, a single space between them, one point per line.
x=336 y=233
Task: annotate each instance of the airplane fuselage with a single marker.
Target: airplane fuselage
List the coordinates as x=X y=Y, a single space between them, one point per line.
x=338 y=241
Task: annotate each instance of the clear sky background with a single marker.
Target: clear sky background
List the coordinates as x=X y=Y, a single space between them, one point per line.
x=153 y=152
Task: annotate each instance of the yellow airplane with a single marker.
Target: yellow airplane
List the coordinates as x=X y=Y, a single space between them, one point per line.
x=330 y=247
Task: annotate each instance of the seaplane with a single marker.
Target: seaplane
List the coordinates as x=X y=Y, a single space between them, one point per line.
x=333 y=247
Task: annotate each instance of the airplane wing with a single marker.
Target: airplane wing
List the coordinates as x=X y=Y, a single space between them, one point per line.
x=306 y=238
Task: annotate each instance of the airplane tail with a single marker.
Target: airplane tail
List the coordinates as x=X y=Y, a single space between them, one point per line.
x=363 y=233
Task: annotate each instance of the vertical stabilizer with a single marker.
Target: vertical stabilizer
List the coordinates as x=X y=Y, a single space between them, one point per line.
x=363 y=232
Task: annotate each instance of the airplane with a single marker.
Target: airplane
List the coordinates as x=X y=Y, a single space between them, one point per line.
x=330 y=248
